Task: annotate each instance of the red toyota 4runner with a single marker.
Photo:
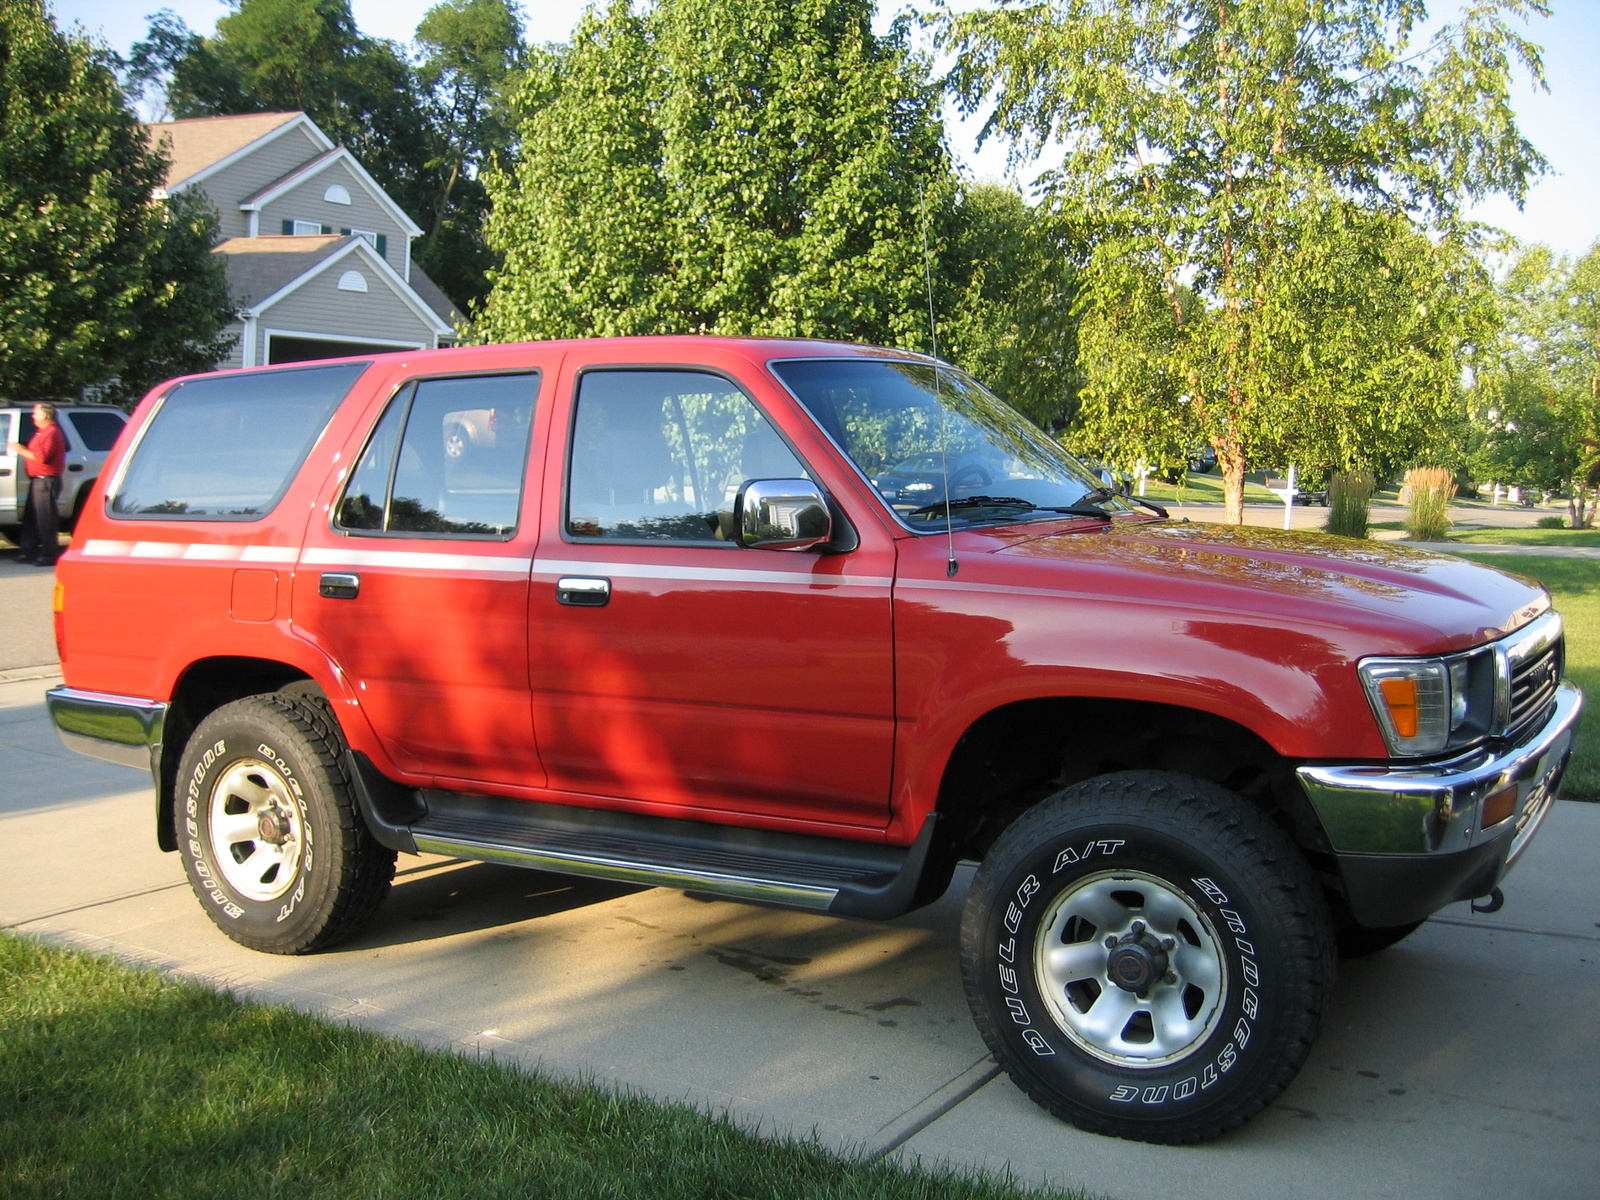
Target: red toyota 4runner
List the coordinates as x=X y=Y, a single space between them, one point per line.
x=804 y=624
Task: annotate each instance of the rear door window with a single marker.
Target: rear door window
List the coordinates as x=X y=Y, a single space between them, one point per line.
x=226 y=448
x=447 y=458
x=97 y=431
x=26 y=429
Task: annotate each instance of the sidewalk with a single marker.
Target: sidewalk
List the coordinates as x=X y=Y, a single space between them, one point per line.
x=1457 y=1065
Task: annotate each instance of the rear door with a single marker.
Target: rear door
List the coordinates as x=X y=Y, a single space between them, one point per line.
x=10 y=472
x=415 y=576
x=92 y=433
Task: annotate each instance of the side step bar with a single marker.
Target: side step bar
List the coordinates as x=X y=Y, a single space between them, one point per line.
x=832 y=875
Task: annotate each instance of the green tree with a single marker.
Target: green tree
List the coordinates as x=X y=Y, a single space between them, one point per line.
x=101 y=284
x=710 y=166
x=1221 y=148
x=1537 y=406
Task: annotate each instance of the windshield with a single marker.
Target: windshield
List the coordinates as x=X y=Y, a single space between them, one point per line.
x=934 y=442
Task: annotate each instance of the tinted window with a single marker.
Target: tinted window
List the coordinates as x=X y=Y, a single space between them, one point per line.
x=660 y=455
x=26 y=429
x=225 y=449
x=462 y=454
x=97 y=430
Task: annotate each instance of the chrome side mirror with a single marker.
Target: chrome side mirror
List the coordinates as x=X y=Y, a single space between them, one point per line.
x=781 y=514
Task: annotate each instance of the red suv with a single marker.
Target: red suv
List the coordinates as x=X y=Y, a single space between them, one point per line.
x=805 y=624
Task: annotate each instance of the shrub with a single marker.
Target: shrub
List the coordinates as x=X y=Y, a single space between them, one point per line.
x=1428 y=508
x=1551 y=523
x=1349 y=494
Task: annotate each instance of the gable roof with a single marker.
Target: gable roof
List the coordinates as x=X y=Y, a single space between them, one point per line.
x=200 y=146
x=434 y=298
x=263 y=270
x=321 y=162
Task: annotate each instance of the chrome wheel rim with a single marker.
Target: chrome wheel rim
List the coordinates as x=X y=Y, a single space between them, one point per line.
x=1127 y=924
x=257 y=830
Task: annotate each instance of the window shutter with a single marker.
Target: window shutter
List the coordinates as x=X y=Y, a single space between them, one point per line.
x=327 y=229
x=344 y=233
x=383 y=245
x=288 y=229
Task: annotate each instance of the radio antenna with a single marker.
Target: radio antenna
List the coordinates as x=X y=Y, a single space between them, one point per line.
x=951 y=567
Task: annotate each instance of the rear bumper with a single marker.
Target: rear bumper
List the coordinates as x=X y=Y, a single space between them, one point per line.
x=126 y=730
x=1411 y=838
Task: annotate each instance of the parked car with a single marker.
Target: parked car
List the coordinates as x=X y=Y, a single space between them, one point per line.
x=90 y=429
x=670 y=632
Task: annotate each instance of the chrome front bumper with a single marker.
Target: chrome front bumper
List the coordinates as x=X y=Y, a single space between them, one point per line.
x=126 y=730
x=1437 y=808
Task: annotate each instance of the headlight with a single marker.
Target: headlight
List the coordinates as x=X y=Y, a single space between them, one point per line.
x=1429 y=705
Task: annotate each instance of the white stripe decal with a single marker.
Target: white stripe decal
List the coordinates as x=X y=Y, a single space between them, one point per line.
x=417 y=561
x=101 y=549
x=271 y=554
x=196 y=552
x=618 y=570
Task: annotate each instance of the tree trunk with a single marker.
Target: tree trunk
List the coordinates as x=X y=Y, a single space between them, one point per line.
x=1230 y=459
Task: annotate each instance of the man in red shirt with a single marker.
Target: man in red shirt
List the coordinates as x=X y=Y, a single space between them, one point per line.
x=45 y=457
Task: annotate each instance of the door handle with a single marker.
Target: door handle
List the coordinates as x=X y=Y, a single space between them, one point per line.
x=74 y=466
x=338 y=585
x=583 y=591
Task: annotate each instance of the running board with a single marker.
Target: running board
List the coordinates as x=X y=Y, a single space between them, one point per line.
x=832 y=875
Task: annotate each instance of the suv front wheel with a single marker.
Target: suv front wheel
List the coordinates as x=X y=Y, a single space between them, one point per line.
x=1148 y=956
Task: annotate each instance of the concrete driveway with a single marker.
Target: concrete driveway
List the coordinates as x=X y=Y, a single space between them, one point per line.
x=1459 y=1064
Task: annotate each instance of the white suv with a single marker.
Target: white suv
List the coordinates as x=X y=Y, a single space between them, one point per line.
x=91 y=430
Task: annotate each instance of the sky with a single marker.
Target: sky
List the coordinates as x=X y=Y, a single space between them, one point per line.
x=1562 y=209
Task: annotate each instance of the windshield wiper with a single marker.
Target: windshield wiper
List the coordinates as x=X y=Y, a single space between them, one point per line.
x=1076 y=510
x=1101 y=494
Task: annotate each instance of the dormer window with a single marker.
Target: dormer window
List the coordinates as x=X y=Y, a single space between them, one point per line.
x=337 y=193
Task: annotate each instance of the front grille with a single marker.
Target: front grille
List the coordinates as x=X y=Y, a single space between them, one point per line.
x=1533 y=688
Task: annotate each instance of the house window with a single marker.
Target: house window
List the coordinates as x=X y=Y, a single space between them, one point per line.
x=306 y=228
x=352 y=281
x=377 y=241
x=337 y=193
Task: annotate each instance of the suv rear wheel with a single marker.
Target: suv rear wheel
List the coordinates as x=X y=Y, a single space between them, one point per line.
x=1148 y=956
x=271 y=838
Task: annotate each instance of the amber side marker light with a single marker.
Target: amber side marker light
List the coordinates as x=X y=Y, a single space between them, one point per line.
x=58 y=602
x=1499 y=806
x=1400 y=697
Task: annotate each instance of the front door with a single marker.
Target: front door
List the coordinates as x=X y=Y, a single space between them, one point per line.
x=672 y=668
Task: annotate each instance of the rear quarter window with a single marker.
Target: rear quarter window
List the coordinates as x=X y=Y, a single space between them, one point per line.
x=97 y=431
x=226 y=448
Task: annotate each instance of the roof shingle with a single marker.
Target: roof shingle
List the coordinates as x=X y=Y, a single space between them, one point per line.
x=195 y=143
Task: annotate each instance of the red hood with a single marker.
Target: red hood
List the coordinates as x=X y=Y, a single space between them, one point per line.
x=1409 y=601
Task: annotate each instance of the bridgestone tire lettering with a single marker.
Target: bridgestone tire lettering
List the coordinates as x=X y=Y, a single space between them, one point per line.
x=1191 y=886
x=276 y=760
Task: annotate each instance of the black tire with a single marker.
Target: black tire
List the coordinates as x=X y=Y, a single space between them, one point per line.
x=295 y=869
x=1152 y=860
x=1358 y=941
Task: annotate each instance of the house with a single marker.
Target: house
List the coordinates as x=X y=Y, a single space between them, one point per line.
x=318 y=255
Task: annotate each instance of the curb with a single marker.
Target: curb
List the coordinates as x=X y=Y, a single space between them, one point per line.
x=24 y=674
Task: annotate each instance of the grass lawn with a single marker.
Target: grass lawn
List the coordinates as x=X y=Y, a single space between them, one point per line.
x=1574 y=584
x=1529 y=537
x=1203 y=489
x=123 y=1083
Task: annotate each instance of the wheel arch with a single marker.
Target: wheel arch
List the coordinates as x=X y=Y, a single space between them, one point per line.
x=1015 y=755
x=205 y=686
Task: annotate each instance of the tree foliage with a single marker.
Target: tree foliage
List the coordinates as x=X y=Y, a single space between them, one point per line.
x=1261 y=174
x=102 y=285
x=1537 y=406
x=710 y=166
x=414 y=128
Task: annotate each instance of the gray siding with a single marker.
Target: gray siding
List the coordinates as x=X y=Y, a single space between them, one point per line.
x=319 y=307
x=304 y=202
x=235 y=356
x=250 y=174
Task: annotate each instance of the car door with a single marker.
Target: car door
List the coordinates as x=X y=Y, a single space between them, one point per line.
x=11 y=473
x=415 y=579
x=674 y=670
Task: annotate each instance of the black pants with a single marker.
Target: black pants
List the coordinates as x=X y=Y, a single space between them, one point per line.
x=40 y=522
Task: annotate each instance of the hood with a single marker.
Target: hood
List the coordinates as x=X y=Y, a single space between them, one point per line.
x=1407 y=601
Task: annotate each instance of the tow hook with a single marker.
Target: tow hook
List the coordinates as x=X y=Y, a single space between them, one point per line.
x=1493 y=902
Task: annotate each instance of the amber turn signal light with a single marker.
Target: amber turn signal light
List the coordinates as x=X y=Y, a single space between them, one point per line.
x=1400 y=697
x=1499 y=806
x=58 y=601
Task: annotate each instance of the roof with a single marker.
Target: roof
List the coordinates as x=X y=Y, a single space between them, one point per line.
x=262 y=270
x=313 y=165
x=195 y=143
x=284 y=182
x=434 y=298
x=260 y=266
